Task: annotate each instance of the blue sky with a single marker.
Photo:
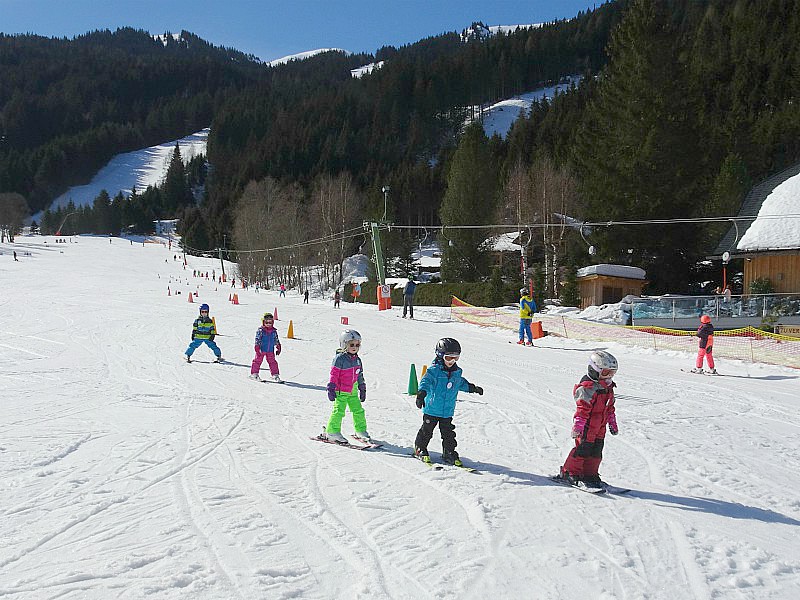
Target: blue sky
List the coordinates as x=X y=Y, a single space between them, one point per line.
x=271 y=29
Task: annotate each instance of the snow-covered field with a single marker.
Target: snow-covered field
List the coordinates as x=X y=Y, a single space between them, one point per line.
x=126 y=473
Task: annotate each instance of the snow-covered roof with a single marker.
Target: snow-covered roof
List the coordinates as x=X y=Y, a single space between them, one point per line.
x=480 y=31
x=613 y=271
x=503 y=243
x=768 y=232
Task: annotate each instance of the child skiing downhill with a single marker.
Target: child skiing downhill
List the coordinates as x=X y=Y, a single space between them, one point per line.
x=527 y=307
x=437 y=394
x=203 y=332
x=594 y=396
x=267 y=346
x=347 y=388
x=706 y=343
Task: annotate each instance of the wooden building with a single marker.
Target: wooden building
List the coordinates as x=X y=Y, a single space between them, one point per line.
x=607 y=284
x=769 y=243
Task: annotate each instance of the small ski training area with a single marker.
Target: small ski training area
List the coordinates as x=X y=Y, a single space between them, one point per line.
x=128 y=472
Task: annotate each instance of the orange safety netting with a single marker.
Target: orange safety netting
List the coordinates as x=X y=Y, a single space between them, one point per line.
x=747 y=343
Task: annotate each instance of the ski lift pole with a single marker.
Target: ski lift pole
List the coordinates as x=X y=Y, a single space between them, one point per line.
x=378 y=250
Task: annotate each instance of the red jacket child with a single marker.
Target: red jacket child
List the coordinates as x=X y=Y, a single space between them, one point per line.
x=594 y=398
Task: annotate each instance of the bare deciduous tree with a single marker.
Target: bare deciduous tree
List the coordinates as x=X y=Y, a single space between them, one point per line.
x=13 y=210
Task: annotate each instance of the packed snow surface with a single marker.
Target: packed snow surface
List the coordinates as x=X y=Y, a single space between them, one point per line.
x=127 y=473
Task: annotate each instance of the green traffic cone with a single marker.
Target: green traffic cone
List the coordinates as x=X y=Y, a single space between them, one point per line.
x=413 y=386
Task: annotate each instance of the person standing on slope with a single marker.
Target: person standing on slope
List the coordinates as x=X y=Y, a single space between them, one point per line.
x=203 y=332
x=347 y=389
x=527 y=307
x=408 y=296
x=438 y=391
x=594 y=399
x=267 y=346
x=706 y=344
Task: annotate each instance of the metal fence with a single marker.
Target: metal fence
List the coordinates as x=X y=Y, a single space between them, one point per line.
x=740 y=306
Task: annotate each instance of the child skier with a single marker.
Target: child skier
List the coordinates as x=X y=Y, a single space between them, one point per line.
x=347 y=388
x=594 y=396
x=267 y=346
x=706 y=343
x=337 y=297
x=437 y=394
x=203 y=332
x=526 y=309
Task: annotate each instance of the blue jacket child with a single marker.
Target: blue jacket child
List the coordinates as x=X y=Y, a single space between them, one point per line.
x=437 y=396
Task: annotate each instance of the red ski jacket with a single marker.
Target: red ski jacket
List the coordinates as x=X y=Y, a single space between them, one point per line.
x=595 y=408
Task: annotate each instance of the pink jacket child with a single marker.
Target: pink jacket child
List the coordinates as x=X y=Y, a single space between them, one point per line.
x=267 y=346
x=594 y=399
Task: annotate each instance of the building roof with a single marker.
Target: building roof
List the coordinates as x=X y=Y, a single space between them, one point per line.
x=776 y=195
x=623 y=271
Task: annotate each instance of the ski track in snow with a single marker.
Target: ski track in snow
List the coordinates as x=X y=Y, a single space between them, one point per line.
x=128 y=473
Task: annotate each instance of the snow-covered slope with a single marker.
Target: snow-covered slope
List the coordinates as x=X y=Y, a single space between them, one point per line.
x=499 y=117
x=127 y=473
x=139 y=169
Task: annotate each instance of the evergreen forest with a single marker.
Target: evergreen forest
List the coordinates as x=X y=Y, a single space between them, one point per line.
x=683 y=105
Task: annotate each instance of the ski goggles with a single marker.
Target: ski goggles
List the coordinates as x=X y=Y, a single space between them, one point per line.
x=607 y=373
x=203 y=312
x=451 y=357
x=354 y=344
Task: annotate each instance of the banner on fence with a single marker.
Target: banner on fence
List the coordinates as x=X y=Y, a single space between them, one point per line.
x=748 y=343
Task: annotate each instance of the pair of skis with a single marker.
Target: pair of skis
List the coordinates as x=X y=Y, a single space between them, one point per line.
x=441 y=466
x=580 y=485
x=702 y=373
x=360 y=445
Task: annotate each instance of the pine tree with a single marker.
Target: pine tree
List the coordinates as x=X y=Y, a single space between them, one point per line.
x=469 y=200
x=175 y=190
x=637 y=149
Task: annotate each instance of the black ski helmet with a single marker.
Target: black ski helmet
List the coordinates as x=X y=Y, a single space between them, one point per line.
x=447 y=346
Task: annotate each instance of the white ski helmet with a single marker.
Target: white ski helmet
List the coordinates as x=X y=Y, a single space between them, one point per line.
x=602 y=365
x=348 y=335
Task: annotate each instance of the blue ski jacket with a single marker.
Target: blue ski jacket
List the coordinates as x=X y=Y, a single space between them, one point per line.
x=267 y=339
x=442 y=386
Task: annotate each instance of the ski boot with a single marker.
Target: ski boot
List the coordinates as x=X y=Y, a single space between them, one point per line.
x=334 y=437
x=422 y=454
x=219 y=359
x=451 y=458
x=277 y=379
x=363 y=436
x=187 y=358
x=254 y=377
x=521 y=343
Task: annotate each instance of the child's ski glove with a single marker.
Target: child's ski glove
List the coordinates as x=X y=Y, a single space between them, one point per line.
x=475 y=389
x=278 y=350
x=612 y=424
x=331 y=391
x=362 y=393
x=421 y=398
x=211 y=337
x=579 y=424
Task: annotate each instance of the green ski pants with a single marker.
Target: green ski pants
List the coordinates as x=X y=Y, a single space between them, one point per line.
x=343 y=400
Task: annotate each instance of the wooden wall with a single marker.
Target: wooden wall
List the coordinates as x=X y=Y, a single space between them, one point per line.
x=592 y=293
x=783 y=270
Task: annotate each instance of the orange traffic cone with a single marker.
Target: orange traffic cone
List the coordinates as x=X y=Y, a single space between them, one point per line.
x=169 y=293
x=275 y=314
x=290 y=333
x=236 y=298
x=190 y=297
x=214 y=321
x=230 y=298
x=424 y=369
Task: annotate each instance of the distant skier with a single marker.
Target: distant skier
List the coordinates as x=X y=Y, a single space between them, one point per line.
x=437 y=395
x=706 y=344
x=337 y=298
x=203 y=332
x=408 y=296
x=347 y=388
x=527 y=307
x=282 y=293
x=305 y=297
x=267 y=346
x=594 y=397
